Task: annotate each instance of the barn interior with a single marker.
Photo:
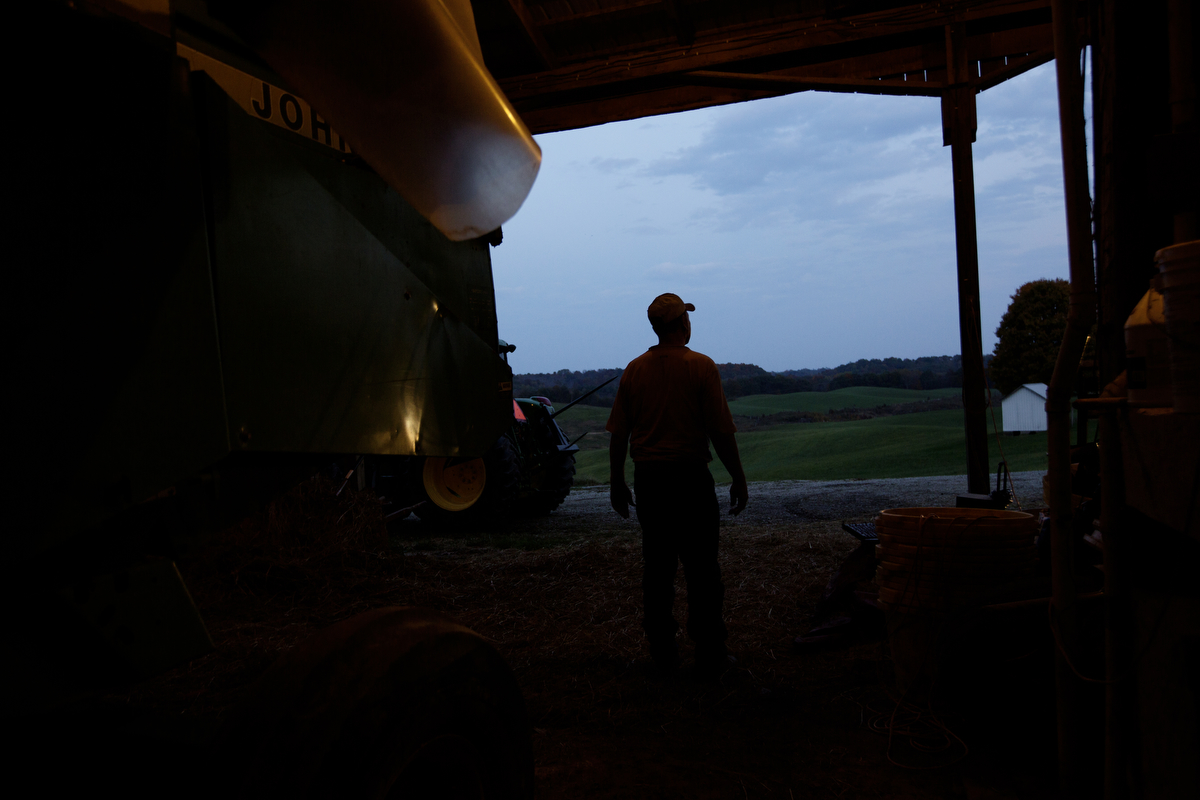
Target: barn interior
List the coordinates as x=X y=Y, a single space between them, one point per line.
x=1107 y=705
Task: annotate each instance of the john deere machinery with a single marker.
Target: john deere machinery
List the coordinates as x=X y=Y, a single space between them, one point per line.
x=246 y=240
x=527 y=472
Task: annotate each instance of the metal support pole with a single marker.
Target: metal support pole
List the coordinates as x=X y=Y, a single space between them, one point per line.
x=958 y=131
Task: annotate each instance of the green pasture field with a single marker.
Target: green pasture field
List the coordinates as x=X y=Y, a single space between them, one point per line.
x=594 y=415
x=821 y=402
x=903 y=446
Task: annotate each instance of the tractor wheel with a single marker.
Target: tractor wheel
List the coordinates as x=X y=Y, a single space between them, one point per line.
x=468 y=493
x=392 y=703
x=553 y=485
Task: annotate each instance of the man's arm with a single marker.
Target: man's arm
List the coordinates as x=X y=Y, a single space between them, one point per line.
x=618 y=490
x=726 y=446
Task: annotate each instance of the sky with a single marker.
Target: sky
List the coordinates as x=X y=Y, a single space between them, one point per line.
x=809 y=230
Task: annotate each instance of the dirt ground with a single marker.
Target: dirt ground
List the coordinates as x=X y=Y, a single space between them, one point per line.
x=560 y=598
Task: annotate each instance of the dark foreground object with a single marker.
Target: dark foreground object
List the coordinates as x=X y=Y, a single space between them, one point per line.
x=394 y=702
x=846 y=612
x=390 y=703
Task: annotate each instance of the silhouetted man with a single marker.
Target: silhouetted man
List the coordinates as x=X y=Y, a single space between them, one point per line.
x=669 y=406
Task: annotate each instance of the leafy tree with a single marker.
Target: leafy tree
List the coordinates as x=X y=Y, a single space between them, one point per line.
x=766 y=383
x=1029 y=334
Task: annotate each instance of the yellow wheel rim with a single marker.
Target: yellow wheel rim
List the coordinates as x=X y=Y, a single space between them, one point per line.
x=453 y=484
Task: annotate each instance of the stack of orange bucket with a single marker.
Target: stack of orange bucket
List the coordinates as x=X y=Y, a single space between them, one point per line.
x=941 y=560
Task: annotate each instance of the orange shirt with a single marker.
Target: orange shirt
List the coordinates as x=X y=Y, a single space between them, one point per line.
x=669 y=401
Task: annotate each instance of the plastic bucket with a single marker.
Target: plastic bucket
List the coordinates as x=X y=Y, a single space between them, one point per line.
x=936 y=515
x=1179 y=276
x=1148 y=353
x=899 y=565
x=984 y=551
x=954 y=526
x=937 y=560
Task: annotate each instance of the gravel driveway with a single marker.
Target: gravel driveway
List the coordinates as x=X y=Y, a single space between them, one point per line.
x=779 y=501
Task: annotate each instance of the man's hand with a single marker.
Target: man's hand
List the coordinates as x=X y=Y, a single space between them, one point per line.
x=618 y=491
x=727 y=450
x=739 y=495
x=621 y=498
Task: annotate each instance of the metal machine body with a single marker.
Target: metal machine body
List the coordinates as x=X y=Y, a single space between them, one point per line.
x=206 y=304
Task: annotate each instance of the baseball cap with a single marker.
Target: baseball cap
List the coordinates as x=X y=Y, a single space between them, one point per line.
x=667 y=307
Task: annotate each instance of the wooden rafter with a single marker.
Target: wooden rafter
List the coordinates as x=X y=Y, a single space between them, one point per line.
x=1012 y=68
x=634 y=106
x=708 y=52
x=685 y=28
x=632 y=58
x=897 y=72
x=784 y=84
x=631 y=8
x=533 y=35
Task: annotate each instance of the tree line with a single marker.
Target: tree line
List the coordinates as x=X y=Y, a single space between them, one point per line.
x=1027 y=345
x=741 y=380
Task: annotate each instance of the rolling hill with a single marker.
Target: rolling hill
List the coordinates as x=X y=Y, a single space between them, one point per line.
x=763 y=404
x=854 y=397
x=910 y=445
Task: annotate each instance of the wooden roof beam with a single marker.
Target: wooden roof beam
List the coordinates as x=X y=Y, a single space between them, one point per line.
x=605 y=13
x=916 y=67
x=532 y=35
x=1017 y=65
x=638 y=8
x=913 y=58
x=785 y=84
x=1010 y=42
x=708 y=54
x=685 y=28
x=704 y=91
x=613 y=109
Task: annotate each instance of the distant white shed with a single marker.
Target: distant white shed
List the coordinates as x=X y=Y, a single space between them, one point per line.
x=1025 y=409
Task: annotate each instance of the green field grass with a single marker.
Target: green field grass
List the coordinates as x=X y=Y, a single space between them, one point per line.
x=761 y=404
x=908 y=445
x=855 y=397
x=591 y=414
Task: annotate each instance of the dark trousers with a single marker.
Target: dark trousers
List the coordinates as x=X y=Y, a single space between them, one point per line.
x=680 y=519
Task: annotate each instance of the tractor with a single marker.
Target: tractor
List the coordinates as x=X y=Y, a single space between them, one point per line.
x=527 y=472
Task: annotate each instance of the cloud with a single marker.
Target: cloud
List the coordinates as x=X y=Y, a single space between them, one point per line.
x=773 y=142
x=796 y=159
x=908 y=189
x=815 y=228
x=611 y=165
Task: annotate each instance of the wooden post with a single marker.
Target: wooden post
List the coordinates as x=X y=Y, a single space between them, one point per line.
x=1180 y=33
x=1080 y=316
x=958 y=131
x=1130 y=111
x=1118 y=637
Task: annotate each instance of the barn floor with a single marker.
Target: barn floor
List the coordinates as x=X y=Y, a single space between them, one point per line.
x=560 y=598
